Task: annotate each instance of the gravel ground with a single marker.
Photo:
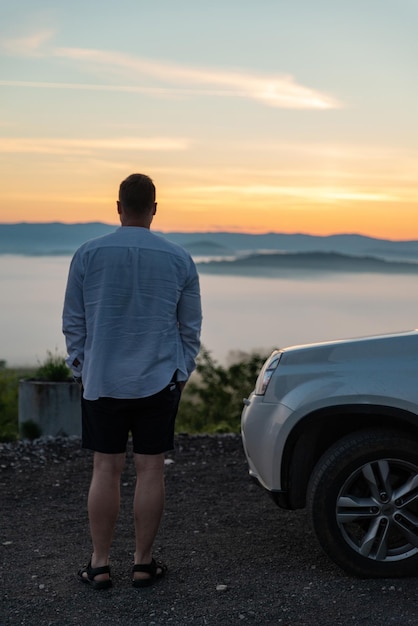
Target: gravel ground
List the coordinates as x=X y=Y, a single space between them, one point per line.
x=233 y=556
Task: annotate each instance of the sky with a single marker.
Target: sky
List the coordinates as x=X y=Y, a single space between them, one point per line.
x=270 y=116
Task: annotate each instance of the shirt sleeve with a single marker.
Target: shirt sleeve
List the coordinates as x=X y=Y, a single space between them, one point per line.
x=189 y=315
x=73 y=317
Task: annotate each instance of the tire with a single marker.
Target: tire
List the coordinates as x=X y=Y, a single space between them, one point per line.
x=363 y=503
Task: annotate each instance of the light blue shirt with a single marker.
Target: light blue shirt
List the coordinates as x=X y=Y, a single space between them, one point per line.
x=132 y=314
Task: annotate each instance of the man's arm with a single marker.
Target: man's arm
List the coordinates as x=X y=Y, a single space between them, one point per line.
x=189 y=315
x=73 y=318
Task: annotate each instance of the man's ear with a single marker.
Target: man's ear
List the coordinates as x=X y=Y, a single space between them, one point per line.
x=118 y=206
x=155 y=208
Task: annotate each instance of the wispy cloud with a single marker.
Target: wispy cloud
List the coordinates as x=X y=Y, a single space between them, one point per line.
x=276 y=91
x=313 y=193
x=281 y=91
x=153 y=91
x=42 y=145
x=31 y=46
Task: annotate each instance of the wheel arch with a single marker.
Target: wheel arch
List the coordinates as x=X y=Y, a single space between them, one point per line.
x=320 y=429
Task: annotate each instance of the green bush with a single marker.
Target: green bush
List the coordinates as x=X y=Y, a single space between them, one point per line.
x=54 y=369
x=9 y=386
x=30 y=430
x=213 y=399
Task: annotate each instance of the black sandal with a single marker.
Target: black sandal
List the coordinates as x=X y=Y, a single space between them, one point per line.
x=155 y=570
x=91 y=573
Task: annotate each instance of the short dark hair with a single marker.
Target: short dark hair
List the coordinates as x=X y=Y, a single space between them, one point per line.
x=137 y=193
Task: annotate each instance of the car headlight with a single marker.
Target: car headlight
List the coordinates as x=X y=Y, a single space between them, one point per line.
x=266 y=373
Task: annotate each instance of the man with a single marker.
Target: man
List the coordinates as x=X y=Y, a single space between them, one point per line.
x=132 y=320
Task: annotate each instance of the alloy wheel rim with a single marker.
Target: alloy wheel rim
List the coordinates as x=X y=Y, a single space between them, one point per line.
x=377 y=510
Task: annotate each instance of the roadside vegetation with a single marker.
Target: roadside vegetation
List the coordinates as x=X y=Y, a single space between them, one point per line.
x=213 y=398
x=211 y=402
x=9 y=384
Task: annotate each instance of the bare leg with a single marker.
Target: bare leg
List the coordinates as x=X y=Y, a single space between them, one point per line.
x=148 y=505
x=103 y=505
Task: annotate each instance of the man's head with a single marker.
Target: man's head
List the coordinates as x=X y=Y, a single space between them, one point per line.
x=136 y=202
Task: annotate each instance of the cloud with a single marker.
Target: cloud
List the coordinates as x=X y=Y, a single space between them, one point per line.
x=280 y=91
x=312 y=193
x=43 y=145
x=155 y=91
x=275 y=91
x=31 y=46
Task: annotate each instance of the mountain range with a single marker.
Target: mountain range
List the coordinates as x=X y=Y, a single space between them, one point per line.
x=236 y=253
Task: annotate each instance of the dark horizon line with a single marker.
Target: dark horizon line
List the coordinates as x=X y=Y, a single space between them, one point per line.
x=215 y=232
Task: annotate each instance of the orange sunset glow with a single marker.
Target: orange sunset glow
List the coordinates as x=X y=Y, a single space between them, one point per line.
x=265 y=131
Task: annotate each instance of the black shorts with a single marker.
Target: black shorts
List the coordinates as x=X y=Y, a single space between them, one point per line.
x=107 y=422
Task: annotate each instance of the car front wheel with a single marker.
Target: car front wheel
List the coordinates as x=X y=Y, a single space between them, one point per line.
x=363 y=502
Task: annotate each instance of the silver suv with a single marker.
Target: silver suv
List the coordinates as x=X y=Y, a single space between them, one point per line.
x=334 y=427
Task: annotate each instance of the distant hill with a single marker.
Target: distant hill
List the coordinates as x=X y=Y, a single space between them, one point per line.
x=53 y=238
x=286 y=251
x=279 y=242
x=203 y=247
x=280 y=264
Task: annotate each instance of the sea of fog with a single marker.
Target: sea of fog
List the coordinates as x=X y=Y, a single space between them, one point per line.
x=240 y=314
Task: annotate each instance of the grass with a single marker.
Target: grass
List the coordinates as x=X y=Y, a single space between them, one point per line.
x=54 y=368
x=211 y=401
x=9 y=386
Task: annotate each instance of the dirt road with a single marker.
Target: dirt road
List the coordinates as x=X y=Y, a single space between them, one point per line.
x=233 y=556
